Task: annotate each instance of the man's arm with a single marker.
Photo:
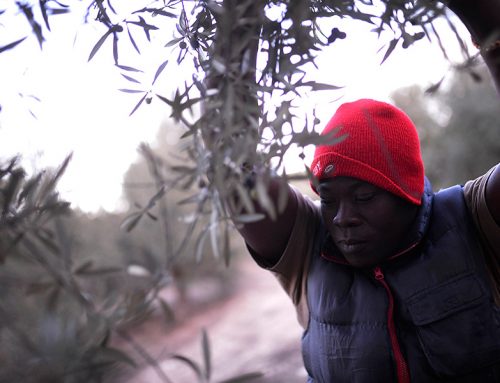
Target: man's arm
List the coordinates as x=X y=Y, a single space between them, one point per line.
x=482 y=19
x=268 y=238
x=493 y=194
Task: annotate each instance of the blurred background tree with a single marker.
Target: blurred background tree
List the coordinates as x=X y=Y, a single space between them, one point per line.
x=459 y=126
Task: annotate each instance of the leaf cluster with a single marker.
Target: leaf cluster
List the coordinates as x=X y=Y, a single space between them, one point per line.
x=243 y=56
x=249 y=65
x=27 y=204
x=57 y=315
x=46 y=9
x=203 y=371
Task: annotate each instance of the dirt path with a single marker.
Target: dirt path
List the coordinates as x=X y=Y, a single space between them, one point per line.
x=253 y=330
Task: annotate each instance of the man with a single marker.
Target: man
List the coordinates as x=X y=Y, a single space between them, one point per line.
x=392 y=282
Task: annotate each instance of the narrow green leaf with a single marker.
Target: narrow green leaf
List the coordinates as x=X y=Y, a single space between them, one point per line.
x=191 y=199
x=250 y=218
x=139 y=103
x=28 y=189
x=99 y=43
x=49 y=186
x=173 y=42
x=167 y=311
x=475 y=76
x=184 y=169
x=283 y=194
x=83 y=267
x=165 y=100
x=182 y=20
x=43 y=8
x=192 y=364
x=159 y=70
x=214 y=232
x=145 y=26
x=11 y=45
x=111 y=7
x=138 y=271
x=131 y=221
x=433 y=88
x=245 y=199
x=207 y=359
x=156 y=11
x=390 y=49
x=132 y=41
x=187 y=134
x=10 y=190
x=244 y=378
x=59 y=11
x=320 y=86
x=114 y=355
x=28 y=13
x=62 y=168
x=131 y=90
x=101 y=271
x=159 y=194
x=128 y=68
x=200 y=244
x=312 y=179
x=226 y=253
x=129 y=78
x=264 y=199
x=115 y=47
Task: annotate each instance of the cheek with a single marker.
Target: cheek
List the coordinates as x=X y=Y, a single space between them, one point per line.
x=392 y=225
x=327 y=215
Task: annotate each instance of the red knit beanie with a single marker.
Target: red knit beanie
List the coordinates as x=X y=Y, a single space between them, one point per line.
x=381 y=147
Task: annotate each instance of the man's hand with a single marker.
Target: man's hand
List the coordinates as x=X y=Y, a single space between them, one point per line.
x=482 y=19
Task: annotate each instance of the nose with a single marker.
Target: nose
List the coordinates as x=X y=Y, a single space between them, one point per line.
x=346 y=215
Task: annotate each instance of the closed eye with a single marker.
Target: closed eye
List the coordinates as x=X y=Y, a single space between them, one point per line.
x=328 y=202
x=365 y=197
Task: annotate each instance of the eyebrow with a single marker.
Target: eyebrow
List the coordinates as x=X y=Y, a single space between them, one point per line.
x=356 y=184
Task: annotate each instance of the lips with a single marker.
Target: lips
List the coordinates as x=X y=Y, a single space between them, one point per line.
x=351 y=246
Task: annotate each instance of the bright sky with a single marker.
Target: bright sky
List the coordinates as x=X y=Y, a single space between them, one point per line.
x=81 y=111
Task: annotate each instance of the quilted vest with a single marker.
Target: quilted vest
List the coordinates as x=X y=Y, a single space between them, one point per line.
x=425 y=316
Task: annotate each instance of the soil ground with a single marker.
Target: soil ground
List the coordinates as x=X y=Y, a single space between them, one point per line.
x=253 y=329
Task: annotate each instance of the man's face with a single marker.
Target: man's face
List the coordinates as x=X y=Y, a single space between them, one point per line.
x=367 y=224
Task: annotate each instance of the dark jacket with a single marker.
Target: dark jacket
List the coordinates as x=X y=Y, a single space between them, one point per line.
x=426 y=315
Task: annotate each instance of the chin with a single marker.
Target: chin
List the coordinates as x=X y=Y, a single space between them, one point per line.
x=360 y=264
x=361 y=260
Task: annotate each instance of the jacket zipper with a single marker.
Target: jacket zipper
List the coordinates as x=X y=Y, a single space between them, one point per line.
x=401 y=366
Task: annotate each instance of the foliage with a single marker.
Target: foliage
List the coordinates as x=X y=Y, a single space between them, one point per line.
x=39 y=278
x=203 y=371
x=172 y=217
x=452 y=151
x=248 y=62
x=61 y=308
